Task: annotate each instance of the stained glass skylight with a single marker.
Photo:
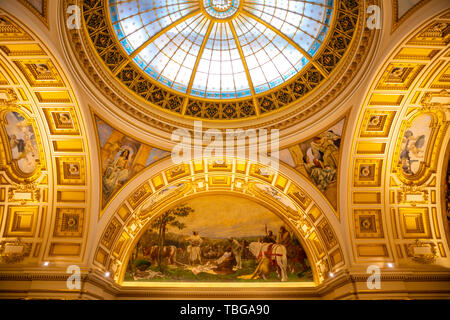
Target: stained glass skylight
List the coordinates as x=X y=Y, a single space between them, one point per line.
x=221 y=49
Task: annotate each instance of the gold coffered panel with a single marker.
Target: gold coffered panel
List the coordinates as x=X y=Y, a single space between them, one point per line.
x=71 y=170
x=21 y=221
x=40 y=72
x=381 y=99
x=327 y=234
x=219 y=181
x=179 y=171
x=372 y=250
x=65 y=249
x=409 y=53
x=442 y=80
x=415 y=223
x=366 y=197
x=25 y=49
x=367 y=172
x=368 y=223
x=377 y=123
x=399 y=76
x=62 y=121
x=54 y=96
x=69 y=222
x=10 y=31
x=435 y=34
x=110 y=233
x=139 y=195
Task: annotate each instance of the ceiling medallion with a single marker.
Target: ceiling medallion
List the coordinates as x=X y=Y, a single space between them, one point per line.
x=221 y=59
x=221 y=9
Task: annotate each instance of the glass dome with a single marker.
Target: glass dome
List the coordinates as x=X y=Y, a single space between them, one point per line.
x=221 y=49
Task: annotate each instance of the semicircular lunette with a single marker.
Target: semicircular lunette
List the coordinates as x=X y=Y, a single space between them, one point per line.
x=176 y=185
x=231 y=247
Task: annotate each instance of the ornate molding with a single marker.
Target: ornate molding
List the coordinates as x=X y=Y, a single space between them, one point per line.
x=352 y=60
x=423 y=252
x=14 y=251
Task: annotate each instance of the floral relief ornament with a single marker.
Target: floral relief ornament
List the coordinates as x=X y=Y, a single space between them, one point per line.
x=422 y=252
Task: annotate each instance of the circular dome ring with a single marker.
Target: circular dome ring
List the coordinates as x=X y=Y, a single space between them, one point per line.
x=221 y=49
x=221 y=10
x=143 y=96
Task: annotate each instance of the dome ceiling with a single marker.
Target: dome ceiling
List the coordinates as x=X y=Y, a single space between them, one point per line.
x=166 y=62
x=221 y=49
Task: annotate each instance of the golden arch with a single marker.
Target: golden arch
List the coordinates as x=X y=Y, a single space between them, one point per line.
x=50 y=106
x=407 y=85
x=276 y=210
x=237 y=177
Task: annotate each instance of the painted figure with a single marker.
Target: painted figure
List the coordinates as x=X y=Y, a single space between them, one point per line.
x=22 y=142
x=321 y=159
x=269 y=238
x=226 y=262
x=412 y=146
x=193 y=249
x=116 y=172
x=237 y=249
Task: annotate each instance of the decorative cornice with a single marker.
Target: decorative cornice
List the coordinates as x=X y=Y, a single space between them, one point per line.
x=340 y=280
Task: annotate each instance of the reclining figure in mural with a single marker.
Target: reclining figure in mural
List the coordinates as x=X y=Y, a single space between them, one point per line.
x=226 y=262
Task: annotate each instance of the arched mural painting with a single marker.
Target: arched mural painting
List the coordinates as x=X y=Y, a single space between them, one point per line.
x=218 y=238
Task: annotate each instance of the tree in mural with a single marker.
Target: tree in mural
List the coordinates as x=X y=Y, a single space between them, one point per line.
x=169 y=218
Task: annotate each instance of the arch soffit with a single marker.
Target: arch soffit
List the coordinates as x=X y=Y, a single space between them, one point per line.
x=408 y=84
x=46 y=98
x=314 y=221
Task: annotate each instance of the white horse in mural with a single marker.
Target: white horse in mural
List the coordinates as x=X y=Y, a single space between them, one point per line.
x=277 y=255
